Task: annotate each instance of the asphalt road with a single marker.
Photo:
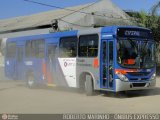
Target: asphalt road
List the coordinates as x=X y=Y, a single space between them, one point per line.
x=15 y=97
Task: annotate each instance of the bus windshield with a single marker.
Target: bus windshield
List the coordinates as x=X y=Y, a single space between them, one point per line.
x=132 y=53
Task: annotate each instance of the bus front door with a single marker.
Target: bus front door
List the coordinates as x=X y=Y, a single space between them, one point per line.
x=51 y=64
x=107 y=64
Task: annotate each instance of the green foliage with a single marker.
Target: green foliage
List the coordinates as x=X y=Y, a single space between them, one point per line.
x=142 y=16
x=149 y=21
x=153 y=23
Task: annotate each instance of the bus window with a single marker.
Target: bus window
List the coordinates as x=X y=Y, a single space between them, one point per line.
x=104 y=52
x=51 y=52
x=88 y=46
x=35 y=48
x=111 y=64
x=28 y=49
x=38 y=46
x=147 y=54
x=110 y=52
x=104 y=63
x=68 y=47
x=127 y=53
x=20 y=54
x=11 y=50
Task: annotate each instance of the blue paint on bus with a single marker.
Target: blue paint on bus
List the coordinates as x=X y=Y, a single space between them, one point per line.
x=112 y=74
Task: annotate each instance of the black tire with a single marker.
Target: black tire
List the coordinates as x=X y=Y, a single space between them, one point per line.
x=31 y=81
x=89 y=87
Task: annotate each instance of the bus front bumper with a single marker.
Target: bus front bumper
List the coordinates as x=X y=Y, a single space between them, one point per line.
x=124 y=86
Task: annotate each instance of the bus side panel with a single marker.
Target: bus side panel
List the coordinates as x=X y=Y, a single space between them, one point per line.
x=10 y=68
x=66 y=66
x=67 y=71
x=89 y=65
x=86 y=66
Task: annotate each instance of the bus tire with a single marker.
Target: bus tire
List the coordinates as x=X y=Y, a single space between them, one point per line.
x=31 y=81
x=89 y=86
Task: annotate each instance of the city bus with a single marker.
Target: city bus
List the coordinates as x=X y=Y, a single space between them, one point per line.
x=111 y=58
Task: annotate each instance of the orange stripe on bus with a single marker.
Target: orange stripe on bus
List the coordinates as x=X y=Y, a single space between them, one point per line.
x=95 y=63
x=46 y=73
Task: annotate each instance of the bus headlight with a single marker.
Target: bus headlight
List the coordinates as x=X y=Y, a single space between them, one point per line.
x=122 y=77
x=153 y=76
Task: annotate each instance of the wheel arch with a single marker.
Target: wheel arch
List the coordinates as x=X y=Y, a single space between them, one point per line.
x=81 y=80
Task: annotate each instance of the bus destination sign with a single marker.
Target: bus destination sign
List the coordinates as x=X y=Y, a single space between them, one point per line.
x=134 y=32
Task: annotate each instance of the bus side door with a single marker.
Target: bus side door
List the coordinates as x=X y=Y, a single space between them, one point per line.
x=51 y=64
x=107 y=64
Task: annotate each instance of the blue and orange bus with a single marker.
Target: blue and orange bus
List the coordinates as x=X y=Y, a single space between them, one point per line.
x=113 y=58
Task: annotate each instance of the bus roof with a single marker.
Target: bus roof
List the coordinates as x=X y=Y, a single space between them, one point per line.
x=106 y=29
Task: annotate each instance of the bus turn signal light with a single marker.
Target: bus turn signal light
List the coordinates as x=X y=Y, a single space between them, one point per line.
x=124 y=72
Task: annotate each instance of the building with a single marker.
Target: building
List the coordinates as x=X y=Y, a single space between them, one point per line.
x=100 y=13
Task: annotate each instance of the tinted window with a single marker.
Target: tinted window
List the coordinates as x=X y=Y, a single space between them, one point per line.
x=28 y=49
x=38 y=46
x=110 y=52
x=104 y=52
x=88 y=46
x=68 y=47
x=11 y=50
x=20 y=54
x=51 y=52
x=35 y=48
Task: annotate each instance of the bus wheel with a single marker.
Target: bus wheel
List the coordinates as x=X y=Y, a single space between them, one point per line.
x=89 y=86
x=31 y=81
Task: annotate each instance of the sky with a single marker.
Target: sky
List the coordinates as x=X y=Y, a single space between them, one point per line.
x=15 y=8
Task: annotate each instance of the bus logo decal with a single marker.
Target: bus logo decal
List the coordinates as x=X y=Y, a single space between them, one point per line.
x=65 y=64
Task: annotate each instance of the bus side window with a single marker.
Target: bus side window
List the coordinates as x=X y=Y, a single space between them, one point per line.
x=39 y=48
x=51 y=52
x=11 y=50
x=68 y=47
x=35 y=48
x=88 y=46
x=28 y=49
x=20 y=54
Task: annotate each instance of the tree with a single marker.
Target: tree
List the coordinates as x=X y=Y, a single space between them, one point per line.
x=150 y=20
x=154 y=21
x=155 y=8
x=143 y=18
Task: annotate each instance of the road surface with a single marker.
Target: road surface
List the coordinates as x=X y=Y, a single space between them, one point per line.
x=15 y=97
